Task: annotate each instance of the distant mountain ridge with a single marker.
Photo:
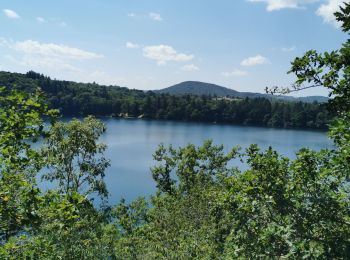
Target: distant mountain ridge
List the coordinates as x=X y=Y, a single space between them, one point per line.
x=202 y=88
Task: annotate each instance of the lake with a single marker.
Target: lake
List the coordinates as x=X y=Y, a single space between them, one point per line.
x=131 y=144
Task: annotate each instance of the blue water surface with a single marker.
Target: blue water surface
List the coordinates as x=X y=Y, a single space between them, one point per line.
x=131 y=144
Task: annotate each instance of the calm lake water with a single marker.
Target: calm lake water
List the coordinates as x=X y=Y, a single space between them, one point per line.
x=131 y=144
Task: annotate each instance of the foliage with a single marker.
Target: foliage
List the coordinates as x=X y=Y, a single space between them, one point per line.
x=292 y=209
x=186 y=219
x=75 y=159
x=71 y=228
x=205 y=208
x=21 y=120
x=37 y=225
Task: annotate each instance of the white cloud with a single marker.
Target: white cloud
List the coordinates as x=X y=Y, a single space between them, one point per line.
x=190 y=67
x=43 y=63
x=102 y=77
x=40 y=19
x=253 y=61
x=3 y=42
x=131 y=15
x=327 y=10
x=274 y=5
x=63 y=24
x=235 y=73
x=164 y=53
x=53 y=50
x=47 y=56
x=57 y=61
x=288 y=49
x=155 y=17
x=131 y=45
x=11 y=14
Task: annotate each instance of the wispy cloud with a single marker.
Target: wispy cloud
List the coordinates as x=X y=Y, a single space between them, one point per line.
x=53 y=50
x=131 y=14
x=52 y=21
x=11 y=14
x=3 y=42
x=131 y=45
x=155 y=17
x=164 y=53
x=40 y=19
x=102 y=77
x=255 y=60
x=275 y=5
x=45 y=56
x=190 y=67
x=57 y=60
x=234 y=73
x=62 y=24
x=327 y=10
x=289 y=49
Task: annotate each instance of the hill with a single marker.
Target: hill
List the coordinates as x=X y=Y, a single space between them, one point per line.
x=201 y=88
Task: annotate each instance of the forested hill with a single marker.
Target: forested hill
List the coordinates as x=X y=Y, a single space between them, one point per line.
x=208 y=89
x=75 y=99
x=199 y=88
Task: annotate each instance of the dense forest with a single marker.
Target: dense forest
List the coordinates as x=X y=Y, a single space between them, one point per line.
x=74 y=99
x=205 y=207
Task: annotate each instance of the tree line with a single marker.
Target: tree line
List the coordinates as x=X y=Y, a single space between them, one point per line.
x=77 y=99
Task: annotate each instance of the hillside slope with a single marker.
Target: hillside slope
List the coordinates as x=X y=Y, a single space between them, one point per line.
x=201 y=88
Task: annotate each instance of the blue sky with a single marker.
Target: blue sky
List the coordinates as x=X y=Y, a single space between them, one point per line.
x=241 y=44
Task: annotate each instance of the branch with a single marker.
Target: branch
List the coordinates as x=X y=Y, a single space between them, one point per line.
x=283 y=91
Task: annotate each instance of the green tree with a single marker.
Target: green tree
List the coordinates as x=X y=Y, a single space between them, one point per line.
x=70 y=228
x=186 y=218
x=21 y=123
x=75 y=158
x=286 y=208
x=51 y=225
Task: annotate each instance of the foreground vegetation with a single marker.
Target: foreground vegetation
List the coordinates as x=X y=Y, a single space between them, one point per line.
x=204 y=207
x=76 y=99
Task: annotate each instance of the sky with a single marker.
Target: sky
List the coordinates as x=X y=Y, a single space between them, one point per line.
x=245 y=45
